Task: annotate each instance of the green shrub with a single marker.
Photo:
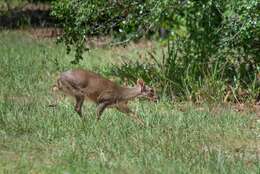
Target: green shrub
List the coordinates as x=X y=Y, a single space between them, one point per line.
x=213 y=46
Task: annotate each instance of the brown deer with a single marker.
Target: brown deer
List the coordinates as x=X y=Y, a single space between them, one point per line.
x=83 y=84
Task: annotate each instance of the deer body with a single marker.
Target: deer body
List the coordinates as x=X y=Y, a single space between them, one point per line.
x=83 y=84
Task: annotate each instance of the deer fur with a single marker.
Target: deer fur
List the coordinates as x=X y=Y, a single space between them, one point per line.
x=83 y=84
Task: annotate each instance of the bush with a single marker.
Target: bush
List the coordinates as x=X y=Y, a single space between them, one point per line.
x=213 y=47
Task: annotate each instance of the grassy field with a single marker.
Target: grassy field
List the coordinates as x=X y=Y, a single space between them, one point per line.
x=178 y=138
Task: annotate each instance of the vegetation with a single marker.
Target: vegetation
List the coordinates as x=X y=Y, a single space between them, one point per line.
x=177 y=138
x=212 y=44
x=210 y=54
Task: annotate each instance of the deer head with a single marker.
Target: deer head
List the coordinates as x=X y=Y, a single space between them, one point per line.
x=146 y=91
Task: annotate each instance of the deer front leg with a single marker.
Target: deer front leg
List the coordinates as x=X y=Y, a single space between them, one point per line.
x=125 y=109
x=79 y=103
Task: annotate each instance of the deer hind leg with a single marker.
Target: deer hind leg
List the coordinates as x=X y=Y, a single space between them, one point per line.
x=100 y=109
x=56 y=96
x=123 y=107
x=78 y=105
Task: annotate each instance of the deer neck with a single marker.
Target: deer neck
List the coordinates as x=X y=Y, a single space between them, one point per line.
x=130 y=93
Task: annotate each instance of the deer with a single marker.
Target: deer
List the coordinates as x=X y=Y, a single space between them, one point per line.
x=83 y=84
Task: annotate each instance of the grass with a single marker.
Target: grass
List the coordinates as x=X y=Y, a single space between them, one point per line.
x=177 y=138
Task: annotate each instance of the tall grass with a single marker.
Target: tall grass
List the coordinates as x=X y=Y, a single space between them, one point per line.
x=176 y=139
x=180 y=74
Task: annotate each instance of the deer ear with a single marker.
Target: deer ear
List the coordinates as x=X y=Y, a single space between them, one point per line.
x=140 y=82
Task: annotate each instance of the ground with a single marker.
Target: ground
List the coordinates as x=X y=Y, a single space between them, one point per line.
x=177 y=137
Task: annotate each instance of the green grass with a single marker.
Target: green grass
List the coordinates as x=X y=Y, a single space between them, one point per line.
x=177 y=138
